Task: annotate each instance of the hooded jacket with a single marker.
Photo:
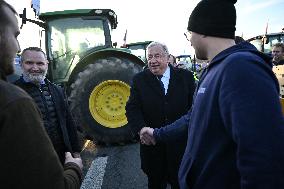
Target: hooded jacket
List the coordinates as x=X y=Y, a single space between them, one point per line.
x=236 y=126
x=28 y=159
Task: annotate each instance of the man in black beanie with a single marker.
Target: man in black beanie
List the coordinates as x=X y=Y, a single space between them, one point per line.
x=236 y=126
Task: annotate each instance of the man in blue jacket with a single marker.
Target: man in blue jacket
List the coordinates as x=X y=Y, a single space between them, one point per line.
x=235 y=127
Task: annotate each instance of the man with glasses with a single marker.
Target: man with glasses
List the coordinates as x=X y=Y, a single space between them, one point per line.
x=159 y=95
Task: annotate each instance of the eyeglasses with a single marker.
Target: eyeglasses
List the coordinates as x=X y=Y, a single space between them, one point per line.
x=187 y=35
x=156 y=56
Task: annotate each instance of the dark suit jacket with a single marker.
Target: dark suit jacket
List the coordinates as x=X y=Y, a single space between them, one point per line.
x=148 y=106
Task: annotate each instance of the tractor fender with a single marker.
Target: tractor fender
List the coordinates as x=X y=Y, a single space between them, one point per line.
x=103 y=53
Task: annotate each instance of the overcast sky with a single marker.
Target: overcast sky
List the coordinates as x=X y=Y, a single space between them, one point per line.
x=166 y=21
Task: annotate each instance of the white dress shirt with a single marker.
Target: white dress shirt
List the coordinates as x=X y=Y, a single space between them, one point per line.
x=166 y=79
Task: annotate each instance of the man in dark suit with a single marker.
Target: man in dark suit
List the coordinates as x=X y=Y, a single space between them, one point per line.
x=159 y=95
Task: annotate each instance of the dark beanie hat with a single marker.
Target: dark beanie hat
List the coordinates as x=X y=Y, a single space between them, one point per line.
x=214 y=18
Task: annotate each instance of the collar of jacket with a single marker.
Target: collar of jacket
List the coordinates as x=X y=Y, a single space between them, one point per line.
x=46 y=81
x=241 y=47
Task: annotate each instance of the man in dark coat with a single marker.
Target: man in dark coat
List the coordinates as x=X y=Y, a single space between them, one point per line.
x=159 y=95
x=28 y=159
x=51 y=101
x=236 y=126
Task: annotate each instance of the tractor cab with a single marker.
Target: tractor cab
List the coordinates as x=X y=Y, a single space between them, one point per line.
x=71 y=35
x=264 y=42
x=139 y=49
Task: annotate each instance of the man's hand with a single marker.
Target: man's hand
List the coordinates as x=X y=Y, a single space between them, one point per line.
x=146 y=136
x=69 y=158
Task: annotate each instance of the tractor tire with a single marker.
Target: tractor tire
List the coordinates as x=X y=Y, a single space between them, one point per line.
x=98 y=98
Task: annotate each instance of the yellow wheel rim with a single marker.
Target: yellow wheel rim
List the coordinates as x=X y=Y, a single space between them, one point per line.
x=107 y=103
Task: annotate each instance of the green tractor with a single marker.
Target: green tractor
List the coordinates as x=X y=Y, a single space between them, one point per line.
x=139 y=49
x=96 y=75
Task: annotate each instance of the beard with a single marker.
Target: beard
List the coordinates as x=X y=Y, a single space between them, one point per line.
x=7 y=65
x=6 y=61
x=37 y=78
x=200 y=54
x=200 y=51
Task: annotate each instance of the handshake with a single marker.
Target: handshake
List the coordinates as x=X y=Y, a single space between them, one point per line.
x=146 y=136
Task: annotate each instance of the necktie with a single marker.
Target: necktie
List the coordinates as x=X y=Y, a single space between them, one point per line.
x=159 y=77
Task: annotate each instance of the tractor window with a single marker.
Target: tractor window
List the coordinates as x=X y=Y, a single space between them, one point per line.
x=184 y=61
x=272 y=41
x=139 y=51
x=69 y=38
x=257 y=43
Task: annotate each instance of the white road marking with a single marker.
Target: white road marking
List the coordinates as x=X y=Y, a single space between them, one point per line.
x=95 y=175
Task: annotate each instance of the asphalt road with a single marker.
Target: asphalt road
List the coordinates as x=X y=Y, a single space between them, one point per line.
x=112 y=167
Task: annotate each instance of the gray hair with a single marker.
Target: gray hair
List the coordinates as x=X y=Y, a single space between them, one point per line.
x=155 y=43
